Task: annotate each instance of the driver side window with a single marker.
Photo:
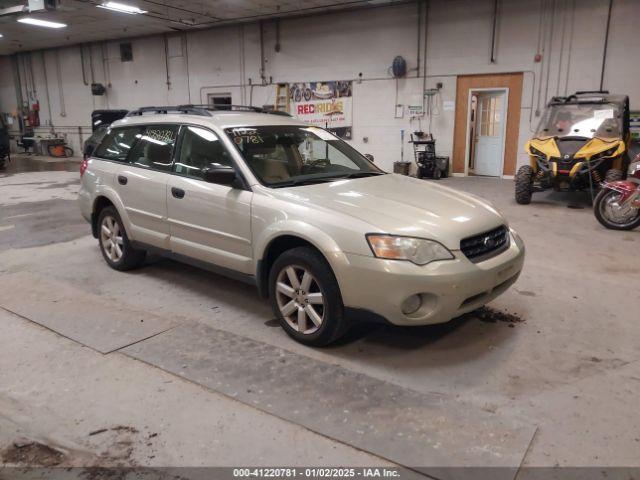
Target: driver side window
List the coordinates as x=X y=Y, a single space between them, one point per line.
x=198 y=149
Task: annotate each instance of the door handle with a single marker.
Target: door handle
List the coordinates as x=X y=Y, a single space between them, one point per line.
x=122 y=180
x=177 y=192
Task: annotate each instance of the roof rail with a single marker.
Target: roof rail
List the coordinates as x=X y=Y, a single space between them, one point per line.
x=203 y=110
x=235 y=108
x=188 y=109
x=581 y=92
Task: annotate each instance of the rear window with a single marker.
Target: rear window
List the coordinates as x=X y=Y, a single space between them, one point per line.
x=154 y=148
x=117 y=143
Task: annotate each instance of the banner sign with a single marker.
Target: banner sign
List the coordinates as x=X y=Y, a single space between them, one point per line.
x=324 y=104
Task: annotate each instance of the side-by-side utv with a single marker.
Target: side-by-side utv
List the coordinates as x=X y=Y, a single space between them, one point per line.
x=581 y=141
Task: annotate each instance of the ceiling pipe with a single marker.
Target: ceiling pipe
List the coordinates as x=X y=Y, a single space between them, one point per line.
x=17 y=81
x=419 y=2
x=570 y=46
x=492 y=58
x=91 y=69
x=63 y=110
x=166 y=61
x=278 y=46
x=84 y=74
x=46 y=89
x=606 y=44
x=262 y=58
x=548 y=63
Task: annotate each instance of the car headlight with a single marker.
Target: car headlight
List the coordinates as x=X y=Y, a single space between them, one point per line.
x=417 y=250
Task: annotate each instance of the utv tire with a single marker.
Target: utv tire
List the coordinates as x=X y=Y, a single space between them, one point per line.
x=613 y=175
x=305 y=297
x=524 y=184
x=114 y=243
x=437 y=173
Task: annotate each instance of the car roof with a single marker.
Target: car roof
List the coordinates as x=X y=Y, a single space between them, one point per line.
x=218 y=118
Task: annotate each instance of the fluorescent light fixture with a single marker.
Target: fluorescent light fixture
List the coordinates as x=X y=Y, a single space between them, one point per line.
x=122 y=8
x=41 y=23
x=1 y=35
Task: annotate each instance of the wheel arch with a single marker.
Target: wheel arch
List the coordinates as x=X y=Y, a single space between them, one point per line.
x=102 y=200
x=275 y=247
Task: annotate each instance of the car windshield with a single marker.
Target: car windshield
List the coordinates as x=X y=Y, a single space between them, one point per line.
x=586 y=120
x=290 y=155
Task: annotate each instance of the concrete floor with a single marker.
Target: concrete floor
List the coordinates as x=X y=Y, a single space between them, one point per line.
x=560 y=387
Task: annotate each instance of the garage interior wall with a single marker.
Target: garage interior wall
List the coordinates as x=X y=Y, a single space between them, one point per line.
x=356 y=45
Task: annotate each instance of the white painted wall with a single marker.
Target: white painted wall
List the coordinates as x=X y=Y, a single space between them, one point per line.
x=340 y=46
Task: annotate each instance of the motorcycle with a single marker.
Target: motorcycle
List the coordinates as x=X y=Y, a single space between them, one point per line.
x=617 y=205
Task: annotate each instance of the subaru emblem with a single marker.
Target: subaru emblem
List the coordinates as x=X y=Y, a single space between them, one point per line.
x=489 y=242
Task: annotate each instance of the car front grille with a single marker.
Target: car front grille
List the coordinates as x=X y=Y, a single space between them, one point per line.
x=485 y=245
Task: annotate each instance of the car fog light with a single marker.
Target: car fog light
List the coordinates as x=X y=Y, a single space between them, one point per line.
x=411 y=304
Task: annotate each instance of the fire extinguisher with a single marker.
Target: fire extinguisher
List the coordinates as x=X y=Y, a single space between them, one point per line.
x=34 y=115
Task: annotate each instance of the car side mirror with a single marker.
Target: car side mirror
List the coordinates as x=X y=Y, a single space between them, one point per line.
x=220 y=174
x=369 y=157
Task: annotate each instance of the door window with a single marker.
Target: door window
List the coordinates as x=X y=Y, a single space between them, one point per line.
x=198 y=149
x=117 y=143
x=154 y=149
x=490 y=112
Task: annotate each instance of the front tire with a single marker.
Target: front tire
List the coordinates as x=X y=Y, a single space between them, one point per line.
x=114 y=243
x=604 y=209
x=305 y=297
x=524 y=184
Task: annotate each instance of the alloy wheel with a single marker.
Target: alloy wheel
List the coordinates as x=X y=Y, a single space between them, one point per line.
x=111 y=238
x=300 y=299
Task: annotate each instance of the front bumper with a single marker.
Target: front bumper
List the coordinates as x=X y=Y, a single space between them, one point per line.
x=447 y=288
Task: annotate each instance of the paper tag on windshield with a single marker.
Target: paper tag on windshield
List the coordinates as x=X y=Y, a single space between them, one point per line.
x=603 y=114
x=321 y=133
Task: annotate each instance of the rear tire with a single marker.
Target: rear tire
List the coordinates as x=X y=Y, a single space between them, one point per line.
x=613 y=175
x=437 y=173
x=114 y=243
x=305 y=297
x=524 y=184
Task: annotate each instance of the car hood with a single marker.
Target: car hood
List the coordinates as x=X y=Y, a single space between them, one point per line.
x=401 y=205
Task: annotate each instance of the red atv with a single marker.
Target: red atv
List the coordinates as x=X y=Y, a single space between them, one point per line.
x=617 y=206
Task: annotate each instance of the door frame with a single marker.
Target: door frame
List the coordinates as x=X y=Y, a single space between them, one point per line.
x=511 y=80
x=505 y=91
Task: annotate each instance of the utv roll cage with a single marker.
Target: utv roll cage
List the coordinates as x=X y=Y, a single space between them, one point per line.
x=586 y=97
x=202 y=110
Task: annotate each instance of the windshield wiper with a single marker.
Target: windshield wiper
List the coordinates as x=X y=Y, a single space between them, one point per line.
x=303 y=181
x=362 y=174
x=311 y=181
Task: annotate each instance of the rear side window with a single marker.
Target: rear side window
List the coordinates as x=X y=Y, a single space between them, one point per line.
x=154 y=149
x=117 y=143
x=198 y=149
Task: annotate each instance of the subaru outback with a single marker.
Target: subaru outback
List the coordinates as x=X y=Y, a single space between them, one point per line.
x=321 y=231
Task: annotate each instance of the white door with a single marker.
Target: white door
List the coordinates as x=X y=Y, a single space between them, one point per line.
x=489 y=134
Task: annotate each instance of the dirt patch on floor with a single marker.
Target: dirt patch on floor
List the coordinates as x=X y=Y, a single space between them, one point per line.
x=491 y=315
x=31 y=454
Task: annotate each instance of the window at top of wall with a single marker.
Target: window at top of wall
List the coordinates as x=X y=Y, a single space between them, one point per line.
x=126 y=52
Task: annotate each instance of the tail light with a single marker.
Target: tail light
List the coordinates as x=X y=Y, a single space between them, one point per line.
x=84 y=165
